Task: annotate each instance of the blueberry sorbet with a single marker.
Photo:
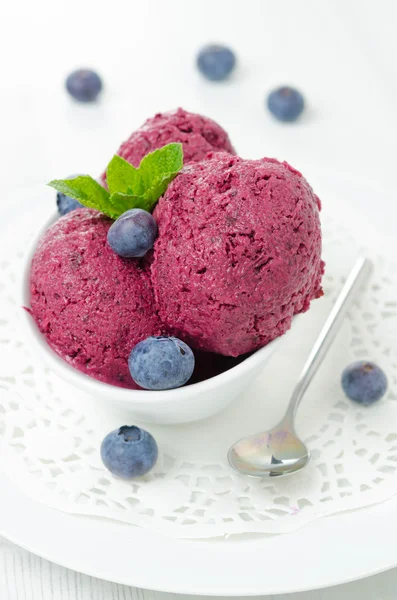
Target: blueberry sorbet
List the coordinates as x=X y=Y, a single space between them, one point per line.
x=197 y=134
x=92 y=305
x=238 y=253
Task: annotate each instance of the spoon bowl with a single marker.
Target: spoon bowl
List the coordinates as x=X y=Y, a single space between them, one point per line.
x=272 y=453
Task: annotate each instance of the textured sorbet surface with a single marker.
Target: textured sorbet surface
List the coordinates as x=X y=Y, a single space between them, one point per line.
x=91 y=305
x=238 y=253
x=198 y=135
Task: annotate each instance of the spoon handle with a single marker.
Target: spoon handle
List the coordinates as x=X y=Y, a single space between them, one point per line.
x=357 y=276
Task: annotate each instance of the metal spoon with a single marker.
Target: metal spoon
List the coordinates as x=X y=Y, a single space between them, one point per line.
x=279 y=451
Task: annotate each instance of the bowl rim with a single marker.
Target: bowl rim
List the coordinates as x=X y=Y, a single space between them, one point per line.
x=95 y=386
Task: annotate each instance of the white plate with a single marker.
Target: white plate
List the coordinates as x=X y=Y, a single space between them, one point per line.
x=328 y=552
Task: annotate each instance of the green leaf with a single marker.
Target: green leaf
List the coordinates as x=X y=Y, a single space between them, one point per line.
x=128 y=187
x=87 y=191
x=161 y=165
x=149 y=181
x=123 y=202
x=123 y=177
x=158 y=188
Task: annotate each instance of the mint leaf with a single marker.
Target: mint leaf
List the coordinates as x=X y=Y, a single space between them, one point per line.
x=128 y=187
x=161 y=165
x=149 y=181
x=159 y=168
x=123 y=177
x=158 y=188
x=123 y=202
x=87 y=191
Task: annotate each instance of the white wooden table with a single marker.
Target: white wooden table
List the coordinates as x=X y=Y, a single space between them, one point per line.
x=340 y=52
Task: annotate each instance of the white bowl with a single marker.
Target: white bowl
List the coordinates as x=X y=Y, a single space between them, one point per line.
x=181 y=405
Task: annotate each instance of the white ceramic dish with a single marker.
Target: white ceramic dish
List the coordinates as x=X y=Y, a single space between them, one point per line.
x=327 y=552
x=182 y=405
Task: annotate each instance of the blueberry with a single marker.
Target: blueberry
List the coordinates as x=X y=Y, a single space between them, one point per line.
x=129 y=452
x=66 y=203
x=161 y=363
x=364 y=382
x=133 y=234
x=84 y=85
x=216 y=62
x=285 y=103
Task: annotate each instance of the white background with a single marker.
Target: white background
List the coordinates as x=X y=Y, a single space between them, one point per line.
x=340 y=53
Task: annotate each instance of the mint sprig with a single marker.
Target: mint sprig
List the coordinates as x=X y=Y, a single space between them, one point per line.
x=128 y=187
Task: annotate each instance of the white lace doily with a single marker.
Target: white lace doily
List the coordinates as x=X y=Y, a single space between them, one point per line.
x=51 y=432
